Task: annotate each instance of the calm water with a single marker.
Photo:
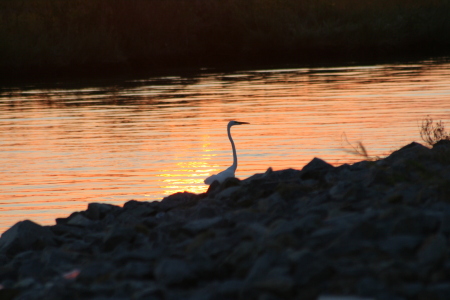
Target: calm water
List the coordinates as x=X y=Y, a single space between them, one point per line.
x=64 y=146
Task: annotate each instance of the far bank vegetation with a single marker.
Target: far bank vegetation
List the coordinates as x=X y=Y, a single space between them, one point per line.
x=83 y=32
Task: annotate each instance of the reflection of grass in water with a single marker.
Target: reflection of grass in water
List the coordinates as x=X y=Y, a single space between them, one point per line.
x=358 y=149
x=56 y=32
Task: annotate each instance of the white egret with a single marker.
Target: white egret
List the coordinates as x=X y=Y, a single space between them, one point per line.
x=230 y=171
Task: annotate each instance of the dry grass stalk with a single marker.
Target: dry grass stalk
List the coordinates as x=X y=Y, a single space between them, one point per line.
x=431 y=132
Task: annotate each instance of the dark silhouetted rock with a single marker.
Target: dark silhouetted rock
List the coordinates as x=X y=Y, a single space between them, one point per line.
x=25 y=235
x=173 y=271
x=97 y=211
x=79 y=220
x=317 y=164
x=184 y=199
x=433 y=251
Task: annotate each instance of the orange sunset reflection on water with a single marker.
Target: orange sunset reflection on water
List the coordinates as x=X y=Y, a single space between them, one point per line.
x=189 y=177
x=65 y=145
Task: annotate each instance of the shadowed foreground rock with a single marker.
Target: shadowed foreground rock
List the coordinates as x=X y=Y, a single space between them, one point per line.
x=378 y=230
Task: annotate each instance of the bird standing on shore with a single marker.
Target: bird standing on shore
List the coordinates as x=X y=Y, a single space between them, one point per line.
x=220 y=177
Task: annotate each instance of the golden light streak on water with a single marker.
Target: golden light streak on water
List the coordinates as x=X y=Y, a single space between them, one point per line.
x=192 y=180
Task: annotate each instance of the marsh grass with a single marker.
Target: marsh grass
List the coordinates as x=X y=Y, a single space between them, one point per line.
x=82 y=32
x=432 y=132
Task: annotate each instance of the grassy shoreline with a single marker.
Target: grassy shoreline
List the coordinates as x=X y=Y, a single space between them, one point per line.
x=118 y=35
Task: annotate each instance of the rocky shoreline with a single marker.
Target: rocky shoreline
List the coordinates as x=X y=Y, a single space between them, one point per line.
x=374 y=229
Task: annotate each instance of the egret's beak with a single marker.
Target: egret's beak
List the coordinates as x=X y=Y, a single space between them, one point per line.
x=240 y=123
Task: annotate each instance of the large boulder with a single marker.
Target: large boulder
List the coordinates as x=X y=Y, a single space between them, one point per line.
x=25 y=235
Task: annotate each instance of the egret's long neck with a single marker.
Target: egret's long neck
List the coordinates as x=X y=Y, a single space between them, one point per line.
x=234 y=148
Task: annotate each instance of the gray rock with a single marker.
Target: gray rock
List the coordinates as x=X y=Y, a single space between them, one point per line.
x=96 y=272
x=25 y=283
x=151 y=291
x=343 y=220
x=369 y=286
x=205 y=211
x=445 y=223
x=408 y=152
x=97 y=211
x=415 y=223
x=230 y=287
x=346 y=267
x=67 y=232
x=226 y=193
x=279 y=285
x=410 y=289
x=79 y=220
x=34 y=268
x=433 y=251
x=347 y=245
x=171 y=271
x=264 y=265
x=310 y=184
x=439 y=291
x=203 y=224
x=135 y=210
x=135 y=270
x=400 y=245
x=270 y=204
x=59 y=259
x=178 y=200
x=442 y=145
x=316 y=164
x=25 y=235
x=310 y=268
x=145 y=254
x=336 y=297
x=267 y=296
x=326 y=233
x=118 y=235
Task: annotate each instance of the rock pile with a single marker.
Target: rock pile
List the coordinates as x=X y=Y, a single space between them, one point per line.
x=375 y=229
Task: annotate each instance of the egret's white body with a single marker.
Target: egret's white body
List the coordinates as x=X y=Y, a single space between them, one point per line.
x=229 y=172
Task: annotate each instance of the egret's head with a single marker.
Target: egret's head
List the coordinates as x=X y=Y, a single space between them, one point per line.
x=232 y=123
